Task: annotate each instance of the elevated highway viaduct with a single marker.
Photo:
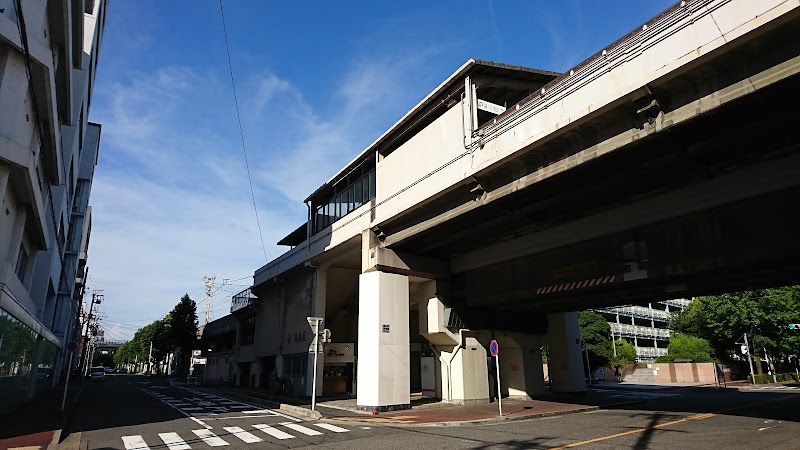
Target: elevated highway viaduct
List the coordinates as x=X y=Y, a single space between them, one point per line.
x=664 y=166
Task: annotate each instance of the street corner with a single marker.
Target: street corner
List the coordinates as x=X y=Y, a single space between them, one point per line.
x=33 y=441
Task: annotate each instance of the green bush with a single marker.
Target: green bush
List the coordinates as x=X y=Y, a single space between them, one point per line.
x=766 y=378
x=626 y=353
x=683 y=346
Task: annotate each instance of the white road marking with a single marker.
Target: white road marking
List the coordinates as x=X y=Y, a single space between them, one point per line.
x=210 y=438
x=257 y=411
x=332 y=427
x=274 y=432
x=300 y=428
x=135 y=443
x=173 y=441
x=765 y=428
x=243 y=435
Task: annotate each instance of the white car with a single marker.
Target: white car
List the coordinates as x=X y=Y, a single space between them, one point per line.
x=97 y=373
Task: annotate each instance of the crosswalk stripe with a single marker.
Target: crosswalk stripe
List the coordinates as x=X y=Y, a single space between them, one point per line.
x=209 y=438
x=300 y=428
x=173 y=441
x=274 y=432
x=135 y=443
x=248 y=438
x=332 y=427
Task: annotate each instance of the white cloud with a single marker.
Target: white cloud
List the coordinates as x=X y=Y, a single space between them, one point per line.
x=171 y=196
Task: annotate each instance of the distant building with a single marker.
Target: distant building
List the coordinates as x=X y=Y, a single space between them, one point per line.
x=48 y=151
x=646 y=327
x=218 y=342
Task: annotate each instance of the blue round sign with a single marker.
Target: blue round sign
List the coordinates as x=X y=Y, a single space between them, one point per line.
x=72 y=346
x=493 y=348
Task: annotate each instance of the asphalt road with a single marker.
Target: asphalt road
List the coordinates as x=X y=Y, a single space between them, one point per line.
x=137 y=413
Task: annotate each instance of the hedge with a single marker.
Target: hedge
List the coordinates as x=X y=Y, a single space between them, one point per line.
x=767 y=378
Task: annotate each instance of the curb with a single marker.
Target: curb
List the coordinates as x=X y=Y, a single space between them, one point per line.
x=501 y=419
x=300 y=411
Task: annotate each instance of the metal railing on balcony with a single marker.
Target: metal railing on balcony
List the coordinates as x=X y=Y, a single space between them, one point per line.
x=677 y=303
x=635 y=331
x=650 y=352
x=639 y=312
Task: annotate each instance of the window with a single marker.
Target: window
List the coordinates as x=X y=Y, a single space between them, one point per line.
x=249 y=330
x=343 y=198
x=22 y=263
x=295 y=365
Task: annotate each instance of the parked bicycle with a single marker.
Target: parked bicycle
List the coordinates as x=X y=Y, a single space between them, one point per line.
x=282 y=386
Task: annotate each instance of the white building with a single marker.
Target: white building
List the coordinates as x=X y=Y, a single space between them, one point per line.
x=646 y=327
x=48 y=151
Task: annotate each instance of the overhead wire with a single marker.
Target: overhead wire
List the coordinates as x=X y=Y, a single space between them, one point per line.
x=241 y=130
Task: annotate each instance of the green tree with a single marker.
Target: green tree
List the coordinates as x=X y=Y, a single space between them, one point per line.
x=763 y=314
x=595 y=332
x=626 y=352
x=683 y=346
x=182 y=331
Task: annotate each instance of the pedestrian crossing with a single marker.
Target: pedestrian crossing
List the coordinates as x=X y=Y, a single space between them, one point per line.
x=795 y=388
x=280 y=431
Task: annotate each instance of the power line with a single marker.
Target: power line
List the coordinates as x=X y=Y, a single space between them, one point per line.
x=241 y=131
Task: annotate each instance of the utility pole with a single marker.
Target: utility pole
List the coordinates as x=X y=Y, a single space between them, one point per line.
x=97 y=297
x=209 y=282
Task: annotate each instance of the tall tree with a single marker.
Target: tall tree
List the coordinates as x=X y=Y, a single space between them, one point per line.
x=595 y=332
x=182 y=323
x=763 y=314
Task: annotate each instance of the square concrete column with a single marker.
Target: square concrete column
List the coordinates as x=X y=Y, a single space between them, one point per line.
x=384 y=379
x=565 y=362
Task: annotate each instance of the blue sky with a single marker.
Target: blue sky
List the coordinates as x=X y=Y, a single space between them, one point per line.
x=317 y=82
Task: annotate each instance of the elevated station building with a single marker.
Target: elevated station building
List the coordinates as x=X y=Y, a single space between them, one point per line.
x=511 y=197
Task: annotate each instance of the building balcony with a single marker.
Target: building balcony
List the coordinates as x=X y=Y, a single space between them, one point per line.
x=635 y=331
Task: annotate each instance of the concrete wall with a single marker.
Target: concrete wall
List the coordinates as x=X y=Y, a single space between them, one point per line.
x=684 y=372
x=429 y=150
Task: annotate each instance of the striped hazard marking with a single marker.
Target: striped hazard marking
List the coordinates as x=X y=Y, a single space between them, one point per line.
x=591 y=282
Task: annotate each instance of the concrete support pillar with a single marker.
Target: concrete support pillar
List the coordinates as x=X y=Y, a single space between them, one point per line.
x=465 y=378
x=384 y=380
x=318 y=304
x=565 y=364
x=521 y=372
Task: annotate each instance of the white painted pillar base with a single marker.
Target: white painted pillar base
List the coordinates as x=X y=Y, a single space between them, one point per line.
x=565 y=363
x=384 y=379
x=521 y=372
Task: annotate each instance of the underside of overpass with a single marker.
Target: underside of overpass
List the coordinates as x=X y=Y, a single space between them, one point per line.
x=689 y=187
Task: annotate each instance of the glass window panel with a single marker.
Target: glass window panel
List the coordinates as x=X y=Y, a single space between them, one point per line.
x=372 y=184
x=358 y=199
x=338 y=206
x=350 y=198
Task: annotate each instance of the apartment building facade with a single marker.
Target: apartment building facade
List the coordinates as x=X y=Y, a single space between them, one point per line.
x=48 y=152
x=646 y=327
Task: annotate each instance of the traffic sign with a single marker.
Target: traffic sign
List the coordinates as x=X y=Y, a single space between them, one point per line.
x=493 y=348
x=794 y=326
x=72 y=346
x=744 y=349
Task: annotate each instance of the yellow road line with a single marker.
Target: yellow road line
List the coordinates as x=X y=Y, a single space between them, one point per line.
x=640 y=430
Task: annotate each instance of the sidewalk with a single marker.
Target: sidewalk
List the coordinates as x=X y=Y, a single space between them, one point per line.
x=39 y=422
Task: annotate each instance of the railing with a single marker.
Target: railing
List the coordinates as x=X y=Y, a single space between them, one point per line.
x=678 y=302
x=635 y=331
x=650 y=352
x=639 y=312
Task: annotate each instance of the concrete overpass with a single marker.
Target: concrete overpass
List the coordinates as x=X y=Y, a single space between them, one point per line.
x=666 y=165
